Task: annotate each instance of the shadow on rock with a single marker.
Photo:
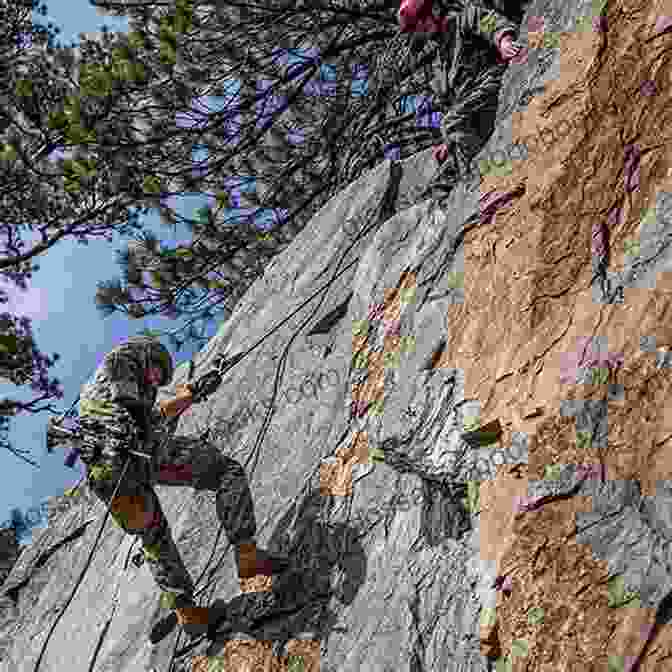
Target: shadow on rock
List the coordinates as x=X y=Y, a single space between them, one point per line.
x=327 y=561
x=444 y=513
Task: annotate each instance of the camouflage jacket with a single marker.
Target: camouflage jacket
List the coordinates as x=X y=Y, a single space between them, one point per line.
x=442 y=63
x=117 y=394
x=466 y=47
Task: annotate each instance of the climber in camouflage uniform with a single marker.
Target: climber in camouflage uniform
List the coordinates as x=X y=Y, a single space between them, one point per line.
x=120 y=401
x=476 y=44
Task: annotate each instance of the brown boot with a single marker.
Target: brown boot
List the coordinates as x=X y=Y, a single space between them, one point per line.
x=194 y=620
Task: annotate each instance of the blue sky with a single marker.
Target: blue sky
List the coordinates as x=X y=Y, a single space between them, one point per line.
x=60 y=301
x=60 y=298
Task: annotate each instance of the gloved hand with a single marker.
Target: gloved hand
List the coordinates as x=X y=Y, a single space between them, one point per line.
x=509 y=48
x=173 y=407
x=440 y=153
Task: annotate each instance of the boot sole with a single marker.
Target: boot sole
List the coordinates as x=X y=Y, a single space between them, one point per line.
x=223 y=626
x=167 y=625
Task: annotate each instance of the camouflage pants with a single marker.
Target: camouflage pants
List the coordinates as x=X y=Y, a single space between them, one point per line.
x=465 y=127
x=136 y=508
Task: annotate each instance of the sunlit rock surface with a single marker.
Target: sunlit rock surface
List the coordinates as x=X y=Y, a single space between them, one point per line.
x=538 y=295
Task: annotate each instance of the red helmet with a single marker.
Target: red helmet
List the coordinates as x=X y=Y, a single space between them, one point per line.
x=411 y=12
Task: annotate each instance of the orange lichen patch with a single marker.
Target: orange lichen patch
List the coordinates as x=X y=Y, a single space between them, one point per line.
x=247 y=560
x=489 y=643
x=336 y=477
x=656 y=308
x=256 y=584
x=555 y=442
x=664 y=282
x=497 y=502
x=370 y=391
x=243 y=655
x=361 y=447
x=407 y=280
x=359 y=344
x=358 y=449
x=376 y=365
x=392 y=312
x=438 y=359
x=510 y=342
x=640 y=427
x=375 y=360
x=550 y=571
x=394 y=298
x=199 y=664
x=538 y=549
x=391 y=344
x=632 y=632
x=535 y=40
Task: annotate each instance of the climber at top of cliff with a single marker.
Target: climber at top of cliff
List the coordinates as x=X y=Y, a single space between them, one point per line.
x=476 y=45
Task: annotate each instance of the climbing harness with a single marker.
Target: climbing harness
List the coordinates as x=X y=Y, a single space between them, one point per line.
x=57 y=434
x=224 y=366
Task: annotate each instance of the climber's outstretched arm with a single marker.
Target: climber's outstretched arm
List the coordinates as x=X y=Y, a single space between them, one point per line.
x=198 y=391
x=177 y=404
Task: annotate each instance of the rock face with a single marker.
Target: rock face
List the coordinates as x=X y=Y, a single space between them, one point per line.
x=539 y=295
